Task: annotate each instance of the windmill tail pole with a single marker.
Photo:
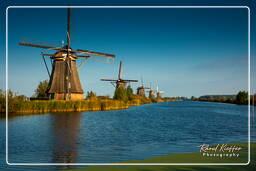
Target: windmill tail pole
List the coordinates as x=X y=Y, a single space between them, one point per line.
x=120 y=70
x=46 y=66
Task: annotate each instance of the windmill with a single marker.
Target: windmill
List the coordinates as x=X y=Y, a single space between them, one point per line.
x=159 y=93
x=151 y=93
x=119 y=82
x=64 y=81
x=141 y=89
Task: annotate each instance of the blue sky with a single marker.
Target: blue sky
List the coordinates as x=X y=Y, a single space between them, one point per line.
x=185 y=51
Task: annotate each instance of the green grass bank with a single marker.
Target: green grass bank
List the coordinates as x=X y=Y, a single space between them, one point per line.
x=42 y=106
x=196 y=157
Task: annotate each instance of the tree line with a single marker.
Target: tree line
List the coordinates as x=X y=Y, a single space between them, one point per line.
x=241 y=98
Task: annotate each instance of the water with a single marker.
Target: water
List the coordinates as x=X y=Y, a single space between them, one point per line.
x=110 y=136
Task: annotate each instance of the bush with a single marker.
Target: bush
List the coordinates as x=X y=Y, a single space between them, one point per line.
x=41 y=90
x=91 y=95
x=121 y=94
x=129 y=92
x=242 y=98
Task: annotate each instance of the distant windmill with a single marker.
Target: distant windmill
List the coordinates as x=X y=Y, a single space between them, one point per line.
x=141 y=89
x=64 y=80
x=151 y=93
x=119 y=82
x=158 y=93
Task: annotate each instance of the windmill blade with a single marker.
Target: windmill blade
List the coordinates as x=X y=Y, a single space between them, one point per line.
x=79 y=56
x=142 y=83
x=94 y=53
x=68 y=28
x=108 y=80
x=40 y=42
x=45 y=54
x=130 y=80
x=40 y=46
x=120 y=71
x=83 y=56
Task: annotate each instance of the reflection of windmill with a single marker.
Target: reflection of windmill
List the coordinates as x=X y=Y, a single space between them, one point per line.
x=119 y=82
x=66 y=137
x=141 y=89
x=64 y=80
x=158 y=93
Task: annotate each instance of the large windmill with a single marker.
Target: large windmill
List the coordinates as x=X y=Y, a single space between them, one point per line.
x=119 y=82
x=64 y=81
x=141 y=89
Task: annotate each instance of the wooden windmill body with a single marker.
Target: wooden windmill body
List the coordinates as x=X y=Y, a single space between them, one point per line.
x=64 y=81
x=151 y=93
x=57 y=84
x=119 y=83
x=159 y=93
x=141 y=90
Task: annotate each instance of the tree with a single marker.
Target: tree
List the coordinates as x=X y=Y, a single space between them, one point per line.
x=120 y=94
x=91 y=95
x=129 y=92
x=41 y=89
x=242 y=97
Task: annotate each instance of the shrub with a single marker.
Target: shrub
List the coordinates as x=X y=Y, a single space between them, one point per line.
x=242 y=97
x=121 y=94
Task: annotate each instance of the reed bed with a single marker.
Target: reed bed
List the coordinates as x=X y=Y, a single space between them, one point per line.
x=23 y=105
x=43 y=106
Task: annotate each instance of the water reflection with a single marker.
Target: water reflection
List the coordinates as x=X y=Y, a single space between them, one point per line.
x=66 y=129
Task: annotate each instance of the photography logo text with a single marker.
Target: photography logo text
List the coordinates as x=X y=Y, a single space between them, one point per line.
x=220 y=150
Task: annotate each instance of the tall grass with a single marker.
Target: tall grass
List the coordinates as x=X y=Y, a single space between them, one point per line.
x=21 y=104
x=42 y=106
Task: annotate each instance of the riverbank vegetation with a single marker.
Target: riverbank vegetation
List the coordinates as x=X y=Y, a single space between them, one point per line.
x=195 y=157
x=241 y=98
x=21 y=104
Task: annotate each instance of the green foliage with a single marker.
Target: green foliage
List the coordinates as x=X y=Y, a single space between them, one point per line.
x=104 y=97
x=2 y=100
x=129 y=92
x=41 y=89
x=91 y=95
x=42 y=106
x=14 y=100
x=121 y=94
x=242 y=98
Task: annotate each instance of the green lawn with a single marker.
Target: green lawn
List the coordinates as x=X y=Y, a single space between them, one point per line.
x=187 y=158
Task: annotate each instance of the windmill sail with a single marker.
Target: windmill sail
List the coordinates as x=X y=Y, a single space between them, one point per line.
x=64 y=80
x=119 y=81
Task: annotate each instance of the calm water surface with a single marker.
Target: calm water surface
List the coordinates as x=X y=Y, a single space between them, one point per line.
x=111 y=136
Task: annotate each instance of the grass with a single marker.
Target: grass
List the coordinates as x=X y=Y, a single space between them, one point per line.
x=43 y=106
x=187 y=158
x=19 y=105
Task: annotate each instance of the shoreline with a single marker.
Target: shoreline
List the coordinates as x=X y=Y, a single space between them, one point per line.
x=43 y=106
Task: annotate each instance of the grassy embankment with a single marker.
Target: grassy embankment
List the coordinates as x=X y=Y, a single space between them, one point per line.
x=196 y=157
x=20 y=106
